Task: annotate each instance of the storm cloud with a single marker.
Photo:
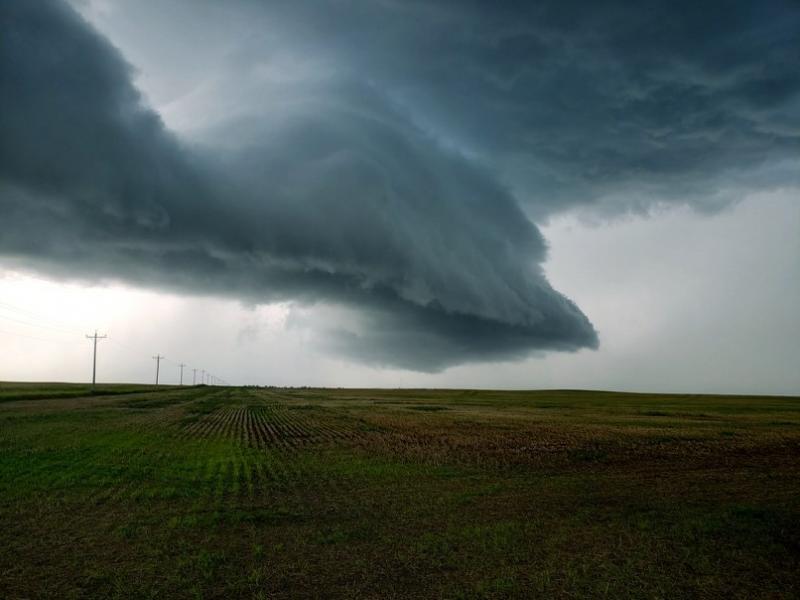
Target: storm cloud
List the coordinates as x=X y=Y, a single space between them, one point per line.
x=606 y=106
x=338 y=198
x=386 y=157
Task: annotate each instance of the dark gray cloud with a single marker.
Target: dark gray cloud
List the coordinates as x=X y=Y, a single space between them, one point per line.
x=331 y=194
x=382 y=155
x=610 y=105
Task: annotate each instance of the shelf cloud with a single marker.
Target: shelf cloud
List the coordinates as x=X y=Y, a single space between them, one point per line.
x=390 y=158
x=338 y=198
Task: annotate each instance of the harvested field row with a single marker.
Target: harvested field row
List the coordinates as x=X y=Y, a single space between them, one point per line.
x=268 y=425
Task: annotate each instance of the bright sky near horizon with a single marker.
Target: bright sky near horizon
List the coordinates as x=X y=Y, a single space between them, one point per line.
x=471 y=198
x=656 y=332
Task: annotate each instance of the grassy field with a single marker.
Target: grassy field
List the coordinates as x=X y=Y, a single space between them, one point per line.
x=51 y=391
x=262 y=493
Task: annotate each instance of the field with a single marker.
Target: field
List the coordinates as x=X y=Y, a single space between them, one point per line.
x=208 y=492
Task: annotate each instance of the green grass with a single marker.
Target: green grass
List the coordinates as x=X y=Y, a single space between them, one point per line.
x=49 y=391
x=203 y=492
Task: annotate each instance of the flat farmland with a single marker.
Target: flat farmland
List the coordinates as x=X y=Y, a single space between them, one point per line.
x=211 y=492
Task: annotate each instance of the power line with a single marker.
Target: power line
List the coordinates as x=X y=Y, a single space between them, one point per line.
x=29 y=314
x=125 y=346
x=30 y=318
x=32 y=337
x=95 y=337
x=158 y=358
x=32 y=324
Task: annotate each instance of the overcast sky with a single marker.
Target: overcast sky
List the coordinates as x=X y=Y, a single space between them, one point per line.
x=400 y=193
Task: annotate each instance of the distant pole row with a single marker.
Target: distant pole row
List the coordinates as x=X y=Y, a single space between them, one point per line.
x=205 y=378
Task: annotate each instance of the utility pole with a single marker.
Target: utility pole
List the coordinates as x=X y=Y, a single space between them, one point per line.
x=181 y=366
x=203 y=378
x=94 y=338
x=158 y=358
x=194 y=376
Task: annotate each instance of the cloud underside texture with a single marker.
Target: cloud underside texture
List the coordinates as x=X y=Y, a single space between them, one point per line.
x=343 y=185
